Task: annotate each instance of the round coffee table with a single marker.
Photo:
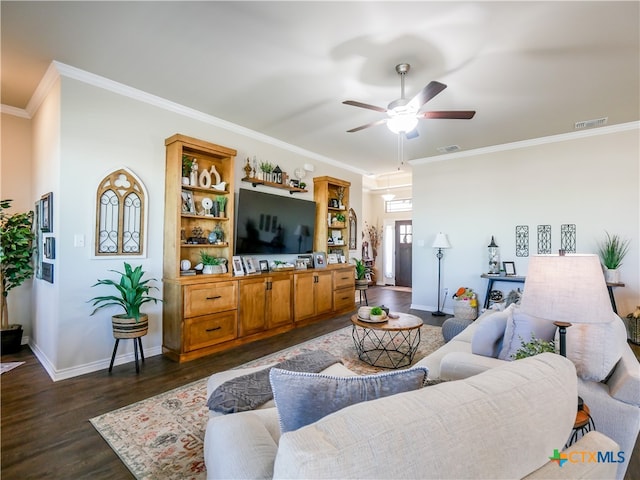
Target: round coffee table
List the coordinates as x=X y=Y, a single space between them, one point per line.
x=389 y=344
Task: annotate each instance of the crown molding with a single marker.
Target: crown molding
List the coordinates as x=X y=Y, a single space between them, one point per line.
x=16 y=112
x=563 y=137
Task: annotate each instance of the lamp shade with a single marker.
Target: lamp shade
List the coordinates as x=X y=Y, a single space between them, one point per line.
x=566 y=288
x=441 y=241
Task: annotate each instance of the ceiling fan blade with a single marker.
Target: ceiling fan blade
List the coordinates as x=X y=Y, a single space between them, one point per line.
x=426 y=94
x=372 y=124
x=353 y=103
x=412 y=134
x=453 y=115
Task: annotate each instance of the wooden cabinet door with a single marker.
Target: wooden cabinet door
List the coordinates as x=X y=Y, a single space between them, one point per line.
x=323 y=292
x=279 y=301
x=253 y=302
x=303 y=291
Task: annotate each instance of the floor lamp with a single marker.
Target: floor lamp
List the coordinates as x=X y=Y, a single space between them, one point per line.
x=440 y=243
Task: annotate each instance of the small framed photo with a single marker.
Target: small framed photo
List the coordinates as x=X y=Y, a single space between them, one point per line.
x=264 y=266
x=308 y=259
x=343 y=259
x=187 y=202
x=320 y=259
x=249 y=267
x=46 y=212
x=332 y=258
x=50 y=248
x=238 y=271
x=333 y=203
x=47 y=272
x=301 y=264
x=509 y=268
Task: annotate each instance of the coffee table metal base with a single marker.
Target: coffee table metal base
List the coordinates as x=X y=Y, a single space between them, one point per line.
x=386 y=348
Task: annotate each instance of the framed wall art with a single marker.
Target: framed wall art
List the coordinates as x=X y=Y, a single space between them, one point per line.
x=46 y=212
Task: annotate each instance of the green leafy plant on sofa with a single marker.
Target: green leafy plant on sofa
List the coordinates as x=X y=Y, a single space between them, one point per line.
x=535 y=346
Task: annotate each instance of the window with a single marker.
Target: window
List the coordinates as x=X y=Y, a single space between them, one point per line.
x=120 y=215
x=398 y=205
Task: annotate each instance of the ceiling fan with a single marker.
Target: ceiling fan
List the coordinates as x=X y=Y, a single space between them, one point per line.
x=403 y=114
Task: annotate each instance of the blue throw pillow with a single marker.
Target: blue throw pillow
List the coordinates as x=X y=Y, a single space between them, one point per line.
x=303 y=398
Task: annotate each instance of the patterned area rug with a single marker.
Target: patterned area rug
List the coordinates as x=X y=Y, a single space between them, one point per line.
x=8 y=366
x=162 y=437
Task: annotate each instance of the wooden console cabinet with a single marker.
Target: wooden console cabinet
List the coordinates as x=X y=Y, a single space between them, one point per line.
x=204 y=314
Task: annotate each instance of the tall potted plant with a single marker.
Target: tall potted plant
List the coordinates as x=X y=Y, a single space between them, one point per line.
x=16 y=248
x=361 y=273
x=612 y=251
x=133 y=292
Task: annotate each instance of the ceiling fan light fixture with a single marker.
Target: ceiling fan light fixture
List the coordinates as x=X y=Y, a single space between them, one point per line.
x=402 y=123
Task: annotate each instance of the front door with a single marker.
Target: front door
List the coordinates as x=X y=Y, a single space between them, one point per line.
x=404 y=243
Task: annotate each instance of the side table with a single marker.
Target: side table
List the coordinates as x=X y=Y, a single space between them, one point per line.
x=583 y=424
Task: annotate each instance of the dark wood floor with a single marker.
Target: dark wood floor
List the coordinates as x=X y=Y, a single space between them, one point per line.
x=45 y=425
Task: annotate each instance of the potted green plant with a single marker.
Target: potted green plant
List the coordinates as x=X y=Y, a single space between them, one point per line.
x=133 y=292
x=361 y=273
x=187 y=163
x=222 y=202
x=376 y=314
x=16 y=248
x=266 y=168
x=612 y=251
x=210 y=263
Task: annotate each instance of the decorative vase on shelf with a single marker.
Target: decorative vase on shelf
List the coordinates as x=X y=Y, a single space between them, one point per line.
x=205 y=179
x=207 y=269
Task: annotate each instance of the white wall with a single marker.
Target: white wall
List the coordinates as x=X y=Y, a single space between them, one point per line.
x=592 y=182
x=81 y=133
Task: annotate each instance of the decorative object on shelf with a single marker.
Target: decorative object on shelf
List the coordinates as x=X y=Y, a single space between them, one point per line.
x=303 y=185
x=568 y=237
x=544 y=239
x=465 y=305
x=222 y=201
x=376 y=314
x=301 y=264
x=187 y=202
x=509 y=268
x=612 y=251
x=197 y=236
x=633 y=326
x=212 y=238
x=340 y=195
x=441 y=242
x=186 y=169
x=193 y=176
x=264 y=266
x=210 y=263
x=266 y=168
x=205 y=179
x=215 y=176
x=219 y=232
x=249 y=266
x=308 y=259
x=238 y=270
x=220 y=187
x=207 y=203
x=185 y=264
x=522 y=240
x=319 y=259
x=247 y=169
x=494 y=257
x=276 y=176
x=353 y=229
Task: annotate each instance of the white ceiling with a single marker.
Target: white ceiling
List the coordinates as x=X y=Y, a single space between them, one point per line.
x=529 y=69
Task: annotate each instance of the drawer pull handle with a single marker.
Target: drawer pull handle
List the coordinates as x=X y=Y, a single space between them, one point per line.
x=213 y=329
x=214 y=298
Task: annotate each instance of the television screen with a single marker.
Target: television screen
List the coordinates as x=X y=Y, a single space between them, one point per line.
x=273 y=224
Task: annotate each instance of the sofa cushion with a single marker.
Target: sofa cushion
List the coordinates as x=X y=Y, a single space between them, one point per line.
x=596 y=348
x=487 y=339
x=303 y=398
x=519 y=328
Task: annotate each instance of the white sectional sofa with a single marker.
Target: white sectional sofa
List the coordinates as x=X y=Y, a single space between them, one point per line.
x=608 y=371
x=503 y=423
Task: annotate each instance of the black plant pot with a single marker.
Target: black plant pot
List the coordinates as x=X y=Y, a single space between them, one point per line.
x=11 y=339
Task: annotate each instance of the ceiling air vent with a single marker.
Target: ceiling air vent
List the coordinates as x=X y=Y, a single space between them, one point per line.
x=598 y=122
x=448 y=149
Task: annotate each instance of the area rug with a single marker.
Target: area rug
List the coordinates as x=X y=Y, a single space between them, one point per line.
x=8 y=366
x=162 y=437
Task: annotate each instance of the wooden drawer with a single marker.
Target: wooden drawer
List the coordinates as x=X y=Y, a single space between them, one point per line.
x=344 y=299
x=209 y=329
x=343 y=278
x=210 y=298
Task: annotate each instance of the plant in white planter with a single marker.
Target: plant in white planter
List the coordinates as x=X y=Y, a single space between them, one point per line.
x=612 y=251
x=133 y=292
x=210 y=263
x=16 y=248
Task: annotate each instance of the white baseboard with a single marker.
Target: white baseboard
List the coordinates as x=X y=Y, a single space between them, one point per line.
x=430 y=308
x=103 y=364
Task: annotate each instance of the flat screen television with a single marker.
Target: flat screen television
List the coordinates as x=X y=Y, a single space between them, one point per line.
x=273 y=224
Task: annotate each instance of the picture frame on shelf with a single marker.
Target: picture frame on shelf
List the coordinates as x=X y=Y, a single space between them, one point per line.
x=301 y=264
x=188 y=206
x=238 y=271
x=320 y=259
x=249 y=267
x=264 y=266
x=308 y=260
x=332 y=258
x=333 y=203
x=509 y=269
x=46 y=213
x=50 y=248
